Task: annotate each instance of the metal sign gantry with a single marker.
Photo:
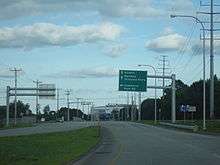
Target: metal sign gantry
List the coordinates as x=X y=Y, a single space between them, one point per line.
x=172 y=87
x=8 y=94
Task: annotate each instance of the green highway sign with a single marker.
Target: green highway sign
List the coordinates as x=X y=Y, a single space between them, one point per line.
x=132 y=80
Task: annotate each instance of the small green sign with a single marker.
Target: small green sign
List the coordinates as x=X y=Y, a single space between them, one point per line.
x=132 y=80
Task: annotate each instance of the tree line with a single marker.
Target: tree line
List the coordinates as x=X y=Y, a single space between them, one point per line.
x=185 y=95
x=23 y=109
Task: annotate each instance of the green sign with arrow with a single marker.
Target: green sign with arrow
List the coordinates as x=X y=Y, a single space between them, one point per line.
x=132 y=80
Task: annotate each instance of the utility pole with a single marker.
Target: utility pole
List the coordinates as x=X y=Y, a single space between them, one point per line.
x=68 y=104
x=37 y=82
x=164 y=62
x=139 y=105
x=132 y=106
x=58 y=98
x=163 y=70
x=83 y=111
x=15 y=70
x=211 y=64
x=127 y=110
x=135 y=106
x=77 y=106
x=211 y=38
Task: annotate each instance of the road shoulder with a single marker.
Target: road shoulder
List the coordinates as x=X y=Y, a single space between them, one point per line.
x=102 y=153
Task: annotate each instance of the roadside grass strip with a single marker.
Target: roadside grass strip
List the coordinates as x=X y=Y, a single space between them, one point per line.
x=212 y=126
x=47 y=149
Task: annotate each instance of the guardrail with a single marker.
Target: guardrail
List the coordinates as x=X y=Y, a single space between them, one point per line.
x=187 y=127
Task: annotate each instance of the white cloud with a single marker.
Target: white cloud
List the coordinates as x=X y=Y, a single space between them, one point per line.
x=166 y=43
x=170 y=41
x=167 y=31
x=109 y=8
x=115 y=50
x=97 y=72
x=47 y=34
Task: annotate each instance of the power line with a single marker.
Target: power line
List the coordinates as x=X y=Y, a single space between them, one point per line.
x=197 y=73
x=184 y=48
x=185 y=66
x=187 y=43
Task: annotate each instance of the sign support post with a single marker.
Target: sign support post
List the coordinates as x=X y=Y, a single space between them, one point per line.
x=8 y=94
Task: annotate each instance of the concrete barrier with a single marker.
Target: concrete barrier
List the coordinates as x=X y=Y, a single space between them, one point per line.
x=187 y=127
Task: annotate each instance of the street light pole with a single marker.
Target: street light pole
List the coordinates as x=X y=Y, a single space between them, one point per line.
x=155 y=92
x=204 y=90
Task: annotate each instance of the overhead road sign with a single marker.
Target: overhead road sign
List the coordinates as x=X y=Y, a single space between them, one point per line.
x=47 y=91
x=132 y=80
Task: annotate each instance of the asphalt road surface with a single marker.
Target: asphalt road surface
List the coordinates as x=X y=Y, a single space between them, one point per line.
x=45 y=128
x=126 y=143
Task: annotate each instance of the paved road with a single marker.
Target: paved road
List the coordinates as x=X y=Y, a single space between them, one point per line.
x=127 y=143
x=44 y=128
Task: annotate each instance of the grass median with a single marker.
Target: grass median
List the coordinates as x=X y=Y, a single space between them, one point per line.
x=46 y=149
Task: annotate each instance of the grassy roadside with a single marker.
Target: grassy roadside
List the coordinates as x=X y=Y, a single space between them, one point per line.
x=2 y=127
x=213 y=126
x=150 y=122
x=46 y=149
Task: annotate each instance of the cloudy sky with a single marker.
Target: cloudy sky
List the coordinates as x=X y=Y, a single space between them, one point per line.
x=82 y=44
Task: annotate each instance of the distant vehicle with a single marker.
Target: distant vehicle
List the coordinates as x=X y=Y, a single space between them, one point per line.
x=42 y=119
x=104 y=116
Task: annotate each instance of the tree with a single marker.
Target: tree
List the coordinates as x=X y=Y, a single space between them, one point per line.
x=185 y=95
x=22 y=110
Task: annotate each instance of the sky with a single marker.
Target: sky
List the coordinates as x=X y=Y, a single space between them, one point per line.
x=81 y=45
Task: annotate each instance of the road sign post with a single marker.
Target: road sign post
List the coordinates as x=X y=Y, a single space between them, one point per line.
x=50 y=92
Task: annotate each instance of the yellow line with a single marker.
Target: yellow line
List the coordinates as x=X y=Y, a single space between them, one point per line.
x=117 y=156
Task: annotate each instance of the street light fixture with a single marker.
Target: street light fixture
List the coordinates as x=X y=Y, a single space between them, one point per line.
x=204 y=90
x=155 y=99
